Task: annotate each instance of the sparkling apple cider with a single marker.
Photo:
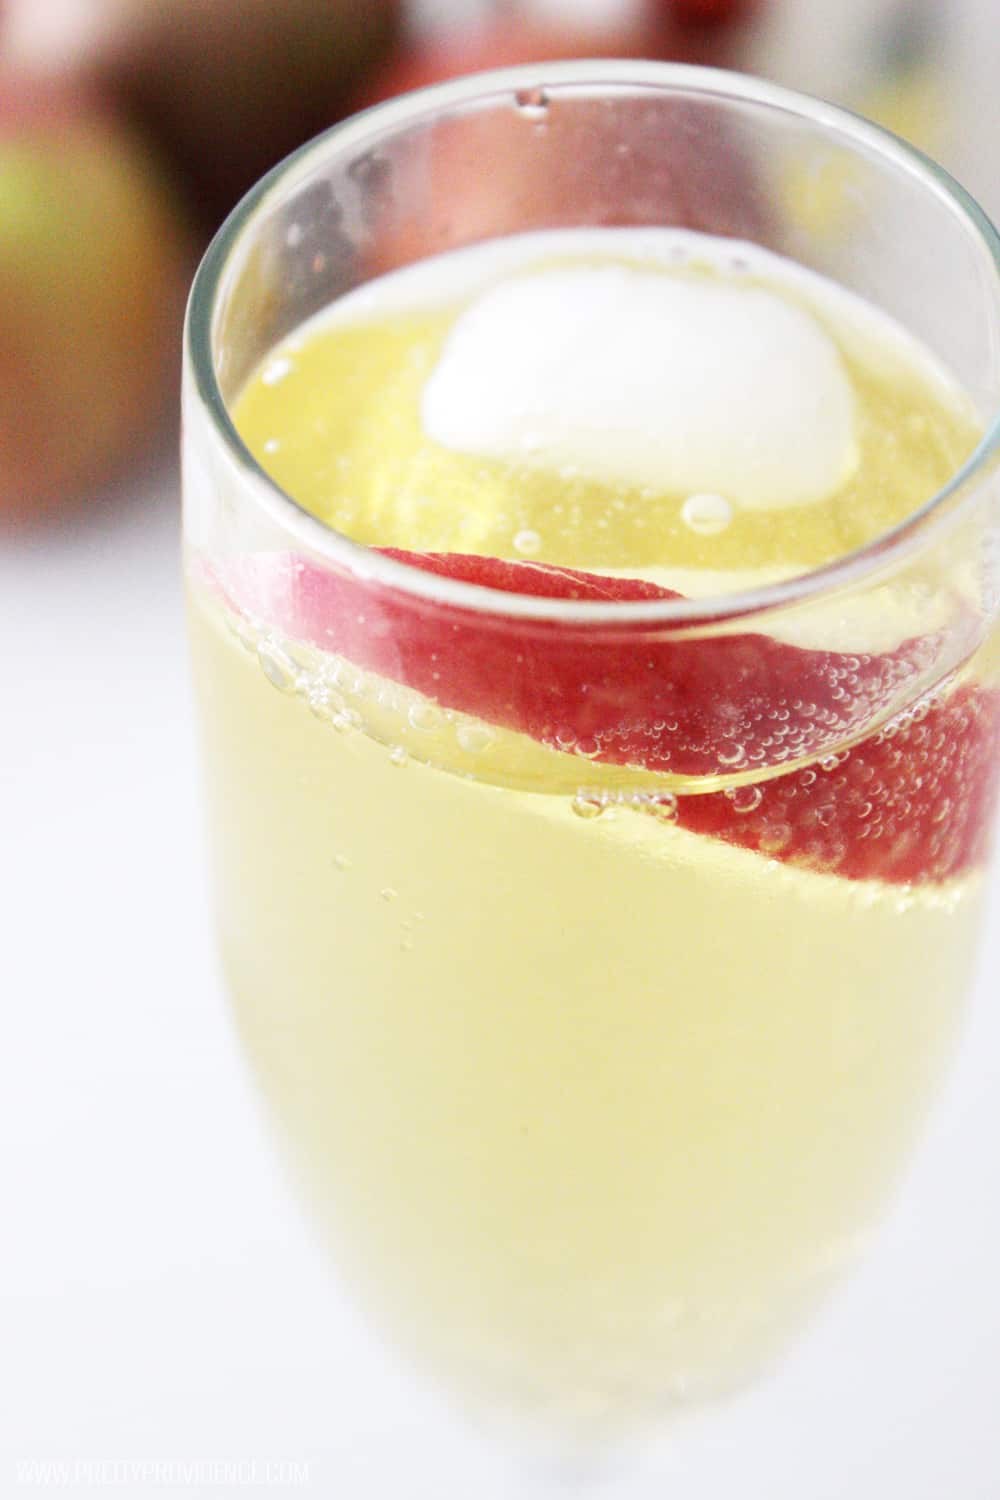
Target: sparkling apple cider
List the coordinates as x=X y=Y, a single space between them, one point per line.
x=598 y=1021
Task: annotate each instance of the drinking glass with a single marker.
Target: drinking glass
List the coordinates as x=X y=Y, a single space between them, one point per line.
x=597 y=957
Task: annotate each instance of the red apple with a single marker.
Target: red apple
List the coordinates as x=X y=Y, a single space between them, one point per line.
x=588 y=163
x=94 y=262
x=227 y=86
x=500 y=43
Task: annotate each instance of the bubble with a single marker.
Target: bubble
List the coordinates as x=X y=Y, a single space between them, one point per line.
x=588 y=804
x=660 y=805
x=244 y=632
x=528 y=542
x=324 y=702
x=707 y=514
x=532 y=103
x=587 y=749
x=732 y=756
x=342 y=862
x=276 y=370
x=745 y=799
x=347 y=678
x=424 y=717
x=474 y=738
x=278 y=667
x=775 y=839
x=272 y=445
x=399 y=756
x=345 y=721
x=387 y=893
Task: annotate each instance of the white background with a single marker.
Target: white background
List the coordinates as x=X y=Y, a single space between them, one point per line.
x=160 y=1297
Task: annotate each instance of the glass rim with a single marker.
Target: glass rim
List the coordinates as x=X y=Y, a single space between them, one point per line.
x=375 y=566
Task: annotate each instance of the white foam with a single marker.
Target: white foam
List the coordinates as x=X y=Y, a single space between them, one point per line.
x=640 y=378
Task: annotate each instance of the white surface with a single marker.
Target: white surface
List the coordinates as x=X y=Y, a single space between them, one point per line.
x=161 y=1300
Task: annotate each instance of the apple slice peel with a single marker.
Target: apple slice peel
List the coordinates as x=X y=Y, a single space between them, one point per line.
x=911 y=804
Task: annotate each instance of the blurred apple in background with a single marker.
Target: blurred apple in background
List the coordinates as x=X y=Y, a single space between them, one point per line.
x=509 y=170
x=522 y=31
x=227 y=87
x=493 y=44
x=95 y=256
x=707 y=12
x=94 y=261
x=501 y=42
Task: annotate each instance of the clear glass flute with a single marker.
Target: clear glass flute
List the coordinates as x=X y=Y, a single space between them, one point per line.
x=597 y=948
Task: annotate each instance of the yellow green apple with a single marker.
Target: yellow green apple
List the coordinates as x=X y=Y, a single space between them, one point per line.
x=94 y=261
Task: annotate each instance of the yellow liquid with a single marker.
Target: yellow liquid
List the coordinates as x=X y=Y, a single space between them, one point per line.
x=592 y=1110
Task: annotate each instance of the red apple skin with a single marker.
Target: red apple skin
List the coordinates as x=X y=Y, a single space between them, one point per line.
x=707 y=13
x=94 y=264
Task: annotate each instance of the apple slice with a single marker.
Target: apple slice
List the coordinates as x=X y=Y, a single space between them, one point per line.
x=913 y=803
x=619 y=695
